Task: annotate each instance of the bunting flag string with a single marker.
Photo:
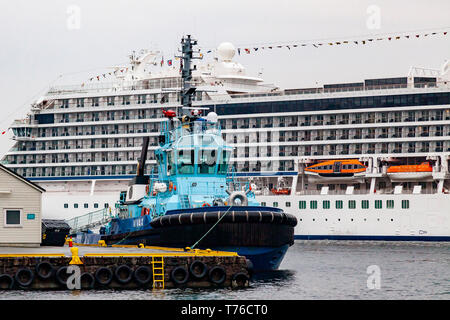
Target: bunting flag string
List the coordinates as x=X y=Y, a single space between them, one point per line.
x=359 y=40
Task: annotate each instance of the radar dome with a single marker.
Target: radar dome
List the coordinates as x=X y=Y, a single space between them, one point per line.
x=212 y=117
x=226 y=51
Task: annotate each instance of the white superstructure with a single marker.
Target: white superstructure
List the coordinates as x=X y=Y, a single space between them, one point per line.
x=81 y=143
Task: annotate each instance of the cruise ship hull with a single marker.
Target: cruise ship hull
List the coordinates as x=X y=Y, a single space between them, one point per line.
x=426 y=218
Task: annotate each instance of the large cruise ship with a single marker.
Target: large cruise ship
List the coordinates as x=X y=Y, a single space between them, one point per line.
x=363 y=160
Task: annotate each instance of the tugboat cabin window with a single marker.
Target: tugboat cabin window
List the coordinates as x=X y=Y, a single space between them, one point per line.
x=207 y=161
x=170 y=163
x=185 y=161
x=223 y=162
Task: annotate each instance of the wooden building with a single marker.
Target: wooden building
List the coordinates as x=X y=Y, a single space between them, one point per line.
x=20 y=210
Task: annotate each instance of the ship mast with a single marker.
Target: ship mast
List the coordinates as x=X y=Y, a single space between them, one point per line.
x=188 y=89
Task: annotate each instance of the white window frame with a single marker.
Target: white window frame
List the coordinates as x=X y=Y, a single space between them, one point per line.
x=20 y=225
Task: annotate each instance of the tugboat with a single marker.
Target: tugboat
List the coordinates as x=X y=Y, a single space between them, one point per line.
x=193 y=200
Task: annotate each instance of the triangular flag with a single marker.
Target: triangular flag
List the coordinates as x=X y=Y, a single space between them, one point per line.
x=247 y=50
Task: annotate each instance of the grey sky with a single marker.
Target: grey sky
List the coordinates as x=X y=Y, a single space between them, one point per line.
x=37 y=46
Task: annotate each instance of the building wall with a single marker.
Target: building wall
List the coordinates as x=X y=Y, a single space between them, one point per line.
x=28 y=200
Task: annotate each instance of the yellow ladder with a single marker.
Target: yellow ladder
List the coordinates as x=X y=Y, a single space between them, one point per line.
x=158 y=272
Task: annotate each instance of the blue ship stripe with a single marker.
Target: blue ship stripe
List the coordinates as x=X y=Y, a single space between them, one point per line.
x=373 y=238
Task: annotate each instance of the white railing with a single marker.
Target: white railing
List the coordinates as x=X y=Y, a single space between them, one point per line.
x=90 y=220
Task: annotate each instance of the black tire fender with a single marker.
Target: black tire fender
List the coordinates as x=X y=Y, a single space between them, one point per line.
x=44 y=270
x=120 y=271
x=61 y=275
x=179 y=275
x=240 y=280
x=6 y=282
x=217 y=275
x=103 y=276
x=143 y=275
x=24 y=277
x=198 y=269
x=87 y=281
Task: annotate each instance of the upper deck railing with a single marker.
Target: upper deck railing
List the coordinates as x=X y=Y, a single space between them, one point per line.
x=117 y=86
x=176 y=83
x=363 y=88
x=189 y=128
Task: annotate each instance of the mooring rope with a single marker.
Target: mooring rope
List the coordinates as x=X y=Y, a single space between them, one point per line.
x=220 y=219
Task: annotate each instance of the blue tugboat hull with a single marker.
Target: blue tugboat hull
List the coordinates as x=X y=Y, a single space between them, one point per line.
x=261 y=234
x=262 y=259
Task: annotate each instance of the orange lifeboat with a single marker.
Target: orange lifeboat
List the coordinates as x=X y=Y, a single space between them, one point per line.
x=414 y=172
x=284 y=191
x=341 y=170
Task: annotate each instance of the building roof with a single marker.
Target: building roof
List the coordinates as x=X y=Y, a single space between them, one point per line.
x=18 y=176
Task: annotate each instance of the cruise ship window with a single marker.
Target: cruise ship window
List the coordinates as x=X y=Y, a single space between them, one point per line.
x=405 y=204
x=365 y=204
x=86 y=205
x=378 y=204
x=339 y=204
x=95 y=102
x=390 y=204
x=95 y=205
x=351 y=204
x=313 y=204
x=66 y=205
x=110 y=101
x=288 y=204
x=75 y=205
x=275 y=204
x=302 y=204
x=326 y=204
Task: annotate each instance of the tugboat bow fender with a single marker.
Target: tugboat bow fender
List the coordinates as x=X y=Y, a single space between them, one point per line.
x=246 y=216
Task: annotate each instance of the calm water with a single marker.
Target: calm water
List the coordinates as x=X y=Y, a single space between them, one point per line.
x=318 y=270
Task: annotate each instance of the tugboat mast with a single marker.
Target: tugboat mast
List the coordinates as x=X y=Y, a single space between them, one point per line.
x=188 y=89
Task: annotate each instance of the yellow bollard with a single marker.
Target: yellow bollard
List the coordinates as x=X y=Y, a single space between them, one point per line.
x=141 y=245
x=102 y=243
x=75 y=258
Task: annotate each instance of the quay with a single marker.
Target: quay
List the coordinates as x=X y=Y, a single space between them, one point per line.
x=120 y=267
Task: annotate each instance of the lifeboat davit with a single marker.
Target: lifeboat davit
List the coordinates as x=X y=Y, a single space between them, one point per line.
x=346 y=170
x=415 y=172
